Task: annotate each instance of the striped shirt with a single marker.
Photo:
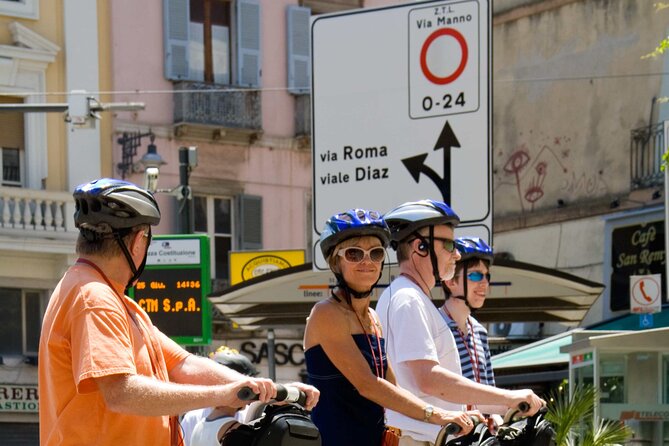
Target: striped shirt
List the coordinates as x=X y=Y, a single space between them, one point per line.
x=472 y=348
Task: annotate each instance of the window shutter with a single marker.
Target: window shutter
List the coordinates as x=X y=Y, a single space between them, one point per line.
x=299 y=66
x=176 y=21
x=250 y=222
x=248 y=43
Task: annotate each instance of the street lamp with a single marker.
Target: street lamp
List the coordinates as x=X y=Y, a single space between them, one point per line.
x=151 y=161
x=130 y=142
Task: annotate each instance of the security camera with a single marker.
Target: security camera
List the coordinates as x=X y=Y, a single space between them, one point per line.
x=151 y=177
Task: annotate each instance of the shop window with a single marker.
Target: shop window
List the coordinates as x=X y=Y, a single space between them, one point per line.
x=583 y=375
x=21 y=314
x=213 y=41
x=612 y=379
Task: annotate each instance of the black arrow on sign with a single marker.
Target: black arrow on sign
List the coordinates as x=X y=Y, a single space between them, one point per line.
x=416 y=164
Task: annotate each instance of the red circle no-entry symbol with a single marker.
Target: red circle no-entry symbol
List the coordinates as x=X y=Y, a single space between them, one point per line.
x=426 y=46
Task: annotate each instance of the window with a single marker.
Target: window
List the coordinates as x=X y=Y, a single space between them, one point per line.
x=213 y=216
x=21 y=314
x=213 y=41
x=11 y=144
x=10 y=164
x=28 y=9
x=211 y=62
x=612 y=379
x=230 y=224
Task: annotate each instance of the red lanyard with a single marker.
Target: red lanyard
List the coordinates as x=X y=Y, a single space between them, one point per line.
x=380 y=374
x=475 y=358
x=176 y=437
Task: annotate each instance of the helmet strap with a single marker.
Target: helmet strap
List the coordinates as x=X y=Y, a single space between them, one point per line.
x=350 y=292
x=136 y=271
x=433 y=255
x=464 y=297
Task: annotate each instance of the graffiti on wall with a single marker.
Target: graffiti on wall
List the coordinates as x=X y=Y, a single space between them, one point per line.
x=528 y=167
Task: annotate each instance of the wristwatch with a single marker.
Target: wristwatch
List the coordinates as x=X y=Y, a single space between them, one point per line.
x=427 y=413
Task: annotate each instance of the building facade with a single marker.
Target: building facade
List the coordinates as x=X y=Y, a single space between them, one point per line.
x=45 y=52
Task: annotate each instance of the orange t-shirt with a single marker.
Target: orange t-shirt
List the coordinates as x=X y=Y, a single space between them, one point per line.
x=88 y=333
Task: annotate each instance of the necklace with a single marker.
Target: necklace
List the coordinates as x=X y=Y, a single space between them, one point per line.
x=379 y=372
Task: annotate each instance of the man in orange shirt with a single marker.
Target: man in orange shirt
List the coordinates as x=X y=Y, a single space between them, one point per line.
x=107 y=376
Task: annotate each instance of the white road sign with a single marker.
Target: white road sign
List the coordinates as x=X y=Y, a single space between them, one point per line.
x=400 y=110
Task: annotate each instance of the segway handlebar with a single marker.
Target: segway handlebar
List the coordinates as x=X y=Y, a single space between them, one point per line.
x=286 y=393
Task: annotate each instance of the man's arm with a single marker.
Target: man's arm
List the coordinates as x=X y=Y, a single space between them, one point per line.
x=141 y=395
x=437 y=381
x=203 y=371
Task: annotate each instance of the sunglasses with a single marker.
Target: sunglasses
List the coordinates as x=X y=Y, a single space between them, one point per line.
x=354 y=254
x=477 y=276
x=449 y=244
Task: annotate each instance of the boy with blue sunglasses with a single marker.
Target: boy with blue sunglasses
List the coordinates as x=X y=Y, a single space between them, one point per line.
x=465 y=292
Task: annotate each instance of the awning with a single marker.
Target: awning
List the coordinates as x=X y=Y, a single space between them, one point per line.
x=520 y=292
x=540 y=353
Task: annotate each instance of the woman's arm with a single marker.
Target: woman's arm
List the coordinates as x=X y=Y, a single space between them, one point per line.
x=328 y=327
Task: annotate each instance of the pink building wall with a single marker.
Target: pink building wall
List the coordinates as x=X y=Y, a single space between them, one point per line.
x=272 y=167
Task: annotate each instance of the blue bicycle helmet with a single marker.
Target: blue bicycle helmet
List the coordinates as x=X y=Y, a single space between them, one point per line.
x=352 y=223
x=473 y=248
x=119 y=204
x=409 y=217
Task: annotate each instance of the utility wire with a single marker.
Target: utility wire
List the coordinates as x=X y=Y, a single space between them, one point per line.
x=306 y=90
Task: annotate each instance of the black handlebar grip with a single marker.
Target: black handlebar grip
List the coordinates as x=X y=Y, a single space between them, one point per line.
x=523 y=407
x=246 y=394
x=452 y=429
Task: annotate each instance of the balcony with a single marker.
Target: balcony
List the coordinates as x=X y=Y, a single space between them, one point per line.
x=646 y=148
x=216 y=112
x=28 y=212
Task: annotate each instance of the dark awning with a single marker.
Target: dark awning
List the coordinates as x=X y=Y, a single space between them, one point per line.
x=520 y=292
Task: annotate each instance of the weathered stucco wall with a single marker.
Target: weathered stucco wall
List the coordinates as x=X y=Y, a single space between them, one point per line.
x=568 y=86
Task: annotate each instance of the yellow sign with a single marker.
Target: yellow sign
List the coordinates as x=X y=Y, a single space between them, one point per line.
x=245 y=265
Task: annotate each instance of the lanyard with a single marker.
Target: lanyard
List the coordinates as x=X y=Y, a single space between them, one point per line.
x=474 y=359
x=378 y=342
x=176 y=437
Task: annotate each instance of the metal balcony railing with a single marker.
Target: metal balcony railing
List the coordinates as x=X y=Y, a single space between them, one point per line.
x=213 y=105
x=646 y=148
x=35 y=211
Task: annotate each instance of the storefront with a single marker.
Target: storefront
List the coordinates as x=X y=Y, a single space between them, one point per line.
x=631 y=371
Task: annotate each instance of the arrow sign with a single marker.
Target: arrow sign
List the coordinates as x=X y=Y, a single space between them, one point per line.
x=416 y=164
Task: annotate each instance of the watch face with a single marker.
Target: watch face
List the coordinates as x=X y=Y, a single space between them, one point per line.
x=428 y=411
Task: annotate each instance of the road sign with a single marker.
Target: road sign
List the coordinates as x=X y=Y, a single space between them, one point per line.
x=173 y=288
x=646 y=293
x=401 y=110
